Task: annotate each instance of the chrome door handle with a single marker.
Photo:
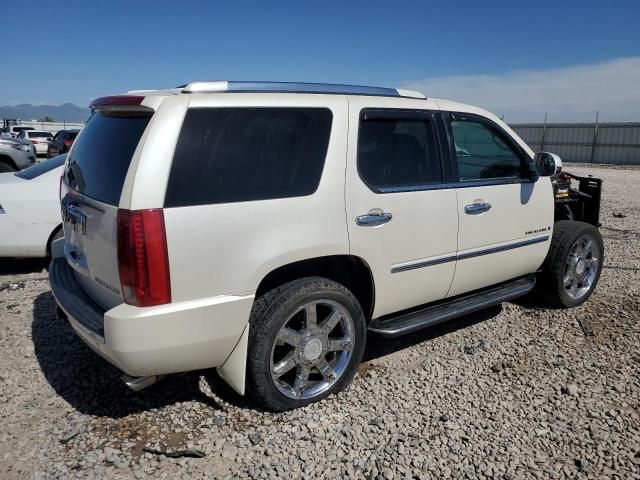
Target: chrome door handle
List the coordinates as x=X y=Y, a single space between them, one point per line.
x=373 y=218
x=476 y=208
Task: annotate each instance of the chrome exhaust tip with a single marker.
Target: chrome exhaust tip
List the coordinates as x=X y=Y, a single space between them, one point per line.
x=140 y=383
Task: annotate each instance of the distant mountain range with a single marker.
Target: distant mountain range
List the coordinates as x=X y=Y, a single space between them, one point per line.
x=60 y=113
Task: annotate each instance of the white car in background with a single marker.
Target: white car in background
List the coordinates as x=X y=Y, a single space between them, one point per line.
x=39 y=138
x=14 y=130
x=16 y=154
x=30 y=209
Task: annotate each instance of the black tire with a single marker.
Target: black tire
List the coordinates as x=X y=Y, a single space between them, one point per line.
x=270 y=313
x=5 y=167
x=550 y=288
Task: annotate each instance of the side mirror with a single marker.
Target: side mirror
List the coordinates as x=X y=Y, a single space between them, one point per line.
x=546 y=164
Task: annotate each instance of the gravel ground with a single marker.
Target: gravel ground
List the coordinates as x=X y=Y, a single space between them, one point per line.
x=512 y=392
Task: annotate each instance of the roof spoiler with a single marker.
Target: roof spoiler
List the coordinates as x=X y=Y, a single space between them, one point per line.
x=114 y=103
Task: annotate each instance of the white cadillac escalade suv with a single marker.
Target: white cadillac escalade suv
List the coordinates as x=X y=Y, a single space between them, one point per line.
x=264 y=228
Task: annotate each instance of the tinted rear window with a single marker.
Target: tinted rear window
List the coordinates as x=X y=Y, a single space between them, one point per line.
x=241 y=154
x=101 y=156
x=39 y=134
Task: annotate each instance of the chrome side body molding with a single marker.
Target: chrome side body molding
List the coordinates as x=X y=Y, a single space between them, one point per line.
x=466 y=255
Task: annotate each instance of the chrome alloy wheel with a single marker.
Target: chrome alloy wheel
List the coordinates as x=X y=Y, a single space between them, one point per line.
x=581 y=267
x=312 y=349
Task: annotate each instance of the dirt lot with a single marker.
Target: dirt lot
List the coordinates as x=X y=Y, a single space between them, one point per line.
x=513 y=392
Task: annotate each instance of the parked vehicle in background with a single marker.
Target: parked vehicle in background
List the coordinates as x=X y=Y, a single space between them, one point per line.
x=52 y=127
x=30 y=209
x=61 y=142
x=16 y=154
x=39 y=138
x=13 y=131
x=263 y=228
x=6 y=124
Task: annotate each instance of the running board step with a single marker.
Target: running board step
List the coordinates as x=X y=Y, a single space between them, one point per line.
x=456 y=307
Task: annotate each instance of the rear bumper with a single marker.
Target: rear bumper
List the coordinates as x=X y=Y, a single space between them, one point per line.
x=41 y=149
x=170 y=338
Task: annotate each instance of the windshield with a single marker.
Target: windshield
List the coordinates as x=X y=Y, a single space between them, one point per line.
x=41 y=168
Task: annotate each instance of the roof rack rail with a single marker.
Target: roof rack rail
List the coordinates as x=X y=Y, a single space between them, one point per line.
x=296 y=87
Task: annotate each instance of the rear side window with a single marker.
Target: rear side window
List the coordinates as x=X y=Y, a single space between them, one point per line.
x=397 y=152
x=101 y=156
x=242 y=154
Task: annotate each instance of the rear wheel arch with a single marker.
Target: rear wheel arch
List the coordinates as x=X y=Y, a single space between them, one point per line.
x=348 y=270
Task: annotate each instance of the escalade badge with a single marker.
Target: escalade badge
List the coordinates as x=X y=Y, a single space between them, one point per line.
x=106 y=285
x=537 y=230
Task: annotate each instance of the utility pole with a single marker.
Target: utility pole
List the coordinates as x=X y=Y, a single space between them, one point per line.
x=595 y=137
x=544 y=131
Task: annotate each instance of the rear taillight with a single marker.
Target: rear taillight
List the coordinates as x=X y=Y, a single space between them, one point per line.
x=68 y=143
x=143 y=263
x=34 y=141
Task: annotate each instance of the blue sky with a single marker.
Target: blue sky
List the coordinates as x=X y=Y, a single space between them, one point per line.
x=97 y=48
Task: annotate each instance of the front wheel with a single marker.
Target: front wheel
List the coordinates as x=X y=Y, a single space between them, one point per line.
x=573 y=265
x=306 y=340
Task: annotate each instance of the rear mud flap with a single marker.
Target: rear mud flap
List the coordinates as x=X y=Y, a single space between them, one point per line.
x=234 y=369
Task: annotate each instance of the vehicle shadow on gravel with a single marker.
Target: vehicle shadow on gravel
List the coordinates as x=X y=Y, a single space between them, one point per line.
x=378 y=346
x=13 y=266
x=90 y=384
